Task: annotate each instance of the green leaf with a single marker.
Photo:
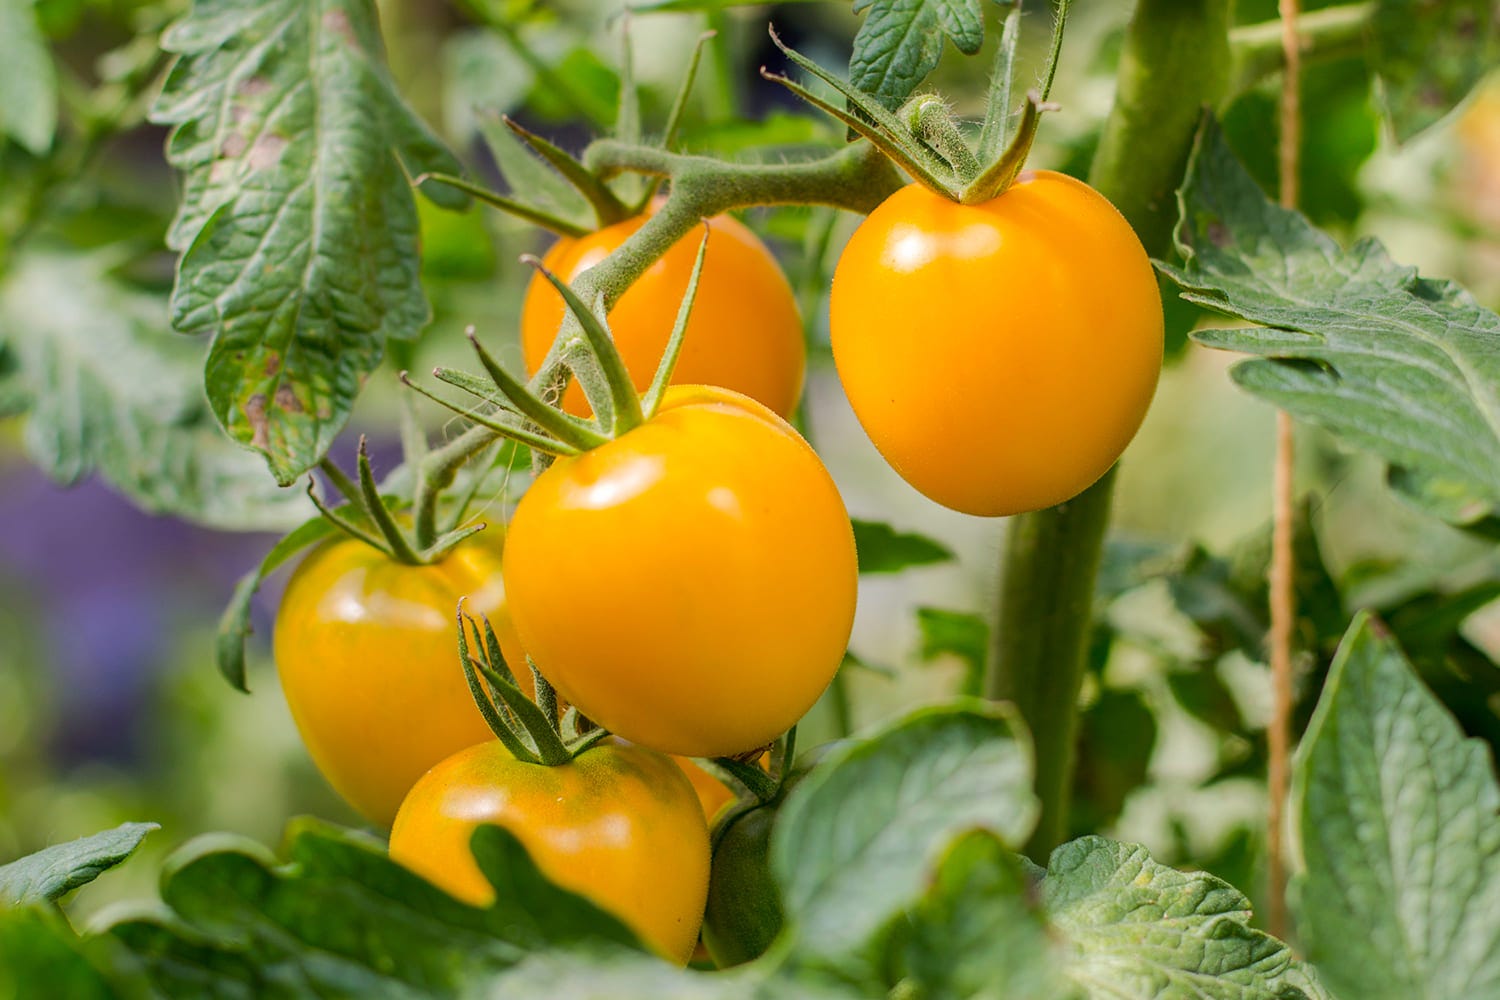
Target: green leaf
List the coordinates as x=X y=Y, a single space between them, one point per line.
x=883 y=549
x=38 y=947
x=977 y=933
x=27 y=79
x=899 y=42
x=1428 y=56
x=1403 y=366
x=113 y=390
x=1397 y=819
x=1139 y=929
x=339 y=918
x=854 y=841
x=53 y=872
x=297 y=226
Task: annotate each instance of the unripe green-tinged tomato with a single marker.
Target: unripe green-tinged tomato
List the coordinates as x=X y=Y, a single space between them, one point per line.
x=744 y=912
x=620 y=825
x=744 y=332
x=691 y=584
x=368 y=657
x=1002 y=355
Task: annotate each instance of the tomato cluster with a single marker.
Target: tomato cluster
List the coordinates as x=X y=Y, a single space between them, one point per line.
x=689 y=583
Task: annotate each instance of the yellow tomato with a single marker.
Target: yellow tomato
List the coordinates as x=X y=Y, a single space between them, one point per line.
x=691 y=584
x=367 y=651
x=1001 y=356
x=619 y=825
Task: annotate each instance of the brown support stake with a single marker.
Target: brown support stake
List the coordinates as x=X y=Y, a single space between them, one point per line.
x=1283 y=595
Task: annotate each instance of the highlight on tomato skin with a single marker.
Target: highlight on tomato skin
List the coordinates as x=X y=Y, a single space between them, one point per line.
x=1000 y=356
x=744 y=333
x=364 y=648
x=619 y=825
x=716 y=562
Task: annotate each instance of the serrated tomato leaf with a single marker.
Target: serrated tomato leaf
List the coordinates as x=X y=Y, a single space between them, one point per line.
x=900 y=41
x=297 y=228
x=1397 y=364
x=1397 y=821
x=1136 y=928
x=855 y=839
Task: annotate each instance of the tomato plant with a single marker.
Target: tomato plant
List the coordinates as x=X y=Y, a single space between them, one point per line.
x=1307 y=710
x=1000 y=355
x=364 y=648
x=716 y=556
x=619 y=824
x=745 y=333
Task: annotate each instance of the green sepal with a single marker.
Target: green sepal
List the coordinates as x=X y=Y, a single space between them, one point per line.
x=651 y=401
x=491 y=421
x=482 y=700
x=510 y=206
x=608 y=209
x=623 y=399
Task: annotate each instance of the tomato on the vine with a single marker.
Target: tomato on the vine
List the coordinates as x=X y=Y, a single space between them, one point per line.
x=619 y=825
x=1000 y=355
x=366 y=652
x=744 y=332
x=691 y=584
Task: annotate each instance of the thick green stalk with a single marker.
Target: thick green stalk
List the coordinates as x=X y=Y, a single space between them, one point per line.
x=1176 y=61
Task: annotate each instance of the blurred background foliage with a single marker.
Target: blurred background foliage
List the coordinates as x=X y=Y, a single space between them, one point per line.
x=110 y=709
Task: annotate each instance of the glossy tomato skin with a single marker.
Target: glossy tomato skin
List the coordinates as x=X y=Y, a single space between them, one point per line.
x=690 y=585
x=367 y=652
x=744 y=333
x=1000 y=356
x=620 y=825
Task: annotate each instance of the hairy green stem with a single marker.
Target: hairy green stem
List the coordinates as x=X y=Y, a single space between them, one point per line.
x=1329 y=33
x=1176 y=60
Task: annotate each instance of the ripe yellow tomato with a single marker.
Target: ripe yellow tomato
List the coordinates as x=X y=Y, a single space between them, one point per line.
x=619 y=825
x=367 y=651
x=744 y=332
x=691 y=584
x=1001 y=356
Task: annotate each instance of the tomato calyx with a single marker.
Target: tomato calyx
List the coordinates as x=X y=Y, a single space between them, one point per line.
x=922 y=136
x=367 y=515
x=586 y=346
x=533 y=732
